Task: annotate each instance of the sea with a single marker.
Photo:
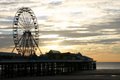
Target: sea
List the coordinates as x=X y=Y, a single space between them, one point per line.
x=108 y=65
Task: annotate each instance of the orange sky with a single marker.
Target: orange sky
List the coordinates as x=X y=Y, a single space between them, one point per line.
x=103 y=55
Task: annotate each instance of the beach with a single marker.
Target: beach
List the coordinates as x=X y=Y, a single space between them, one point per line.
x=103 y=74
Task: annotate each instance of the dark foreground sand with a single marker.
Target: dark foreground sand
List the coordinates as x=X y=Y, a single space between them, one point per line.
x=81 y=75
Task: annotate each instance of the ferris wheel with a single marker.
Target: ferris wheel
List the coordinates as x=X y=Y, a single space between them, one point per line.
x=25 y=32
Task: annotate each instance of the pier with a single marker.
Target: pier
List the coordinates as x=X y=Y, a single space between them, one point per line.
x=10 y=69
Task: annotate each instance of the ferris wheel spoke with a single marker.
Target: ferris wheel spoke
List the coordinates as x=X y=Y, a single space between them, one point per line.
x=29 y=20
x=25 y=22
x=25 y=17
x=21 y=25
x=21 y=21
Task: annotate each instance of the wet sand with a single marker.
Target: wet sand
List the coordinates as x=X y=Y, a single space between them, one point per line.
x=107 y=74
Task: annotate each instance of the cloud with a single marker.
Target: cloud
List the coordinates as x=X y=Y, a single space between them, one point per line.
x=6 y=40
x=55 y=2
x=76 y=22
x=109 y=41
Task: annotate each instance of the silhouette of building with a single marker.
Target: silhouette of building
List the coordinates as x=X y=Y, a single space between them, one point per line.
x=57 y=55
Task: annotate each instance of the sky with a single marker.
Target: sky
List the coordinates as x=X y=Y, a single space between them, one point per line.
x=91 y=27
